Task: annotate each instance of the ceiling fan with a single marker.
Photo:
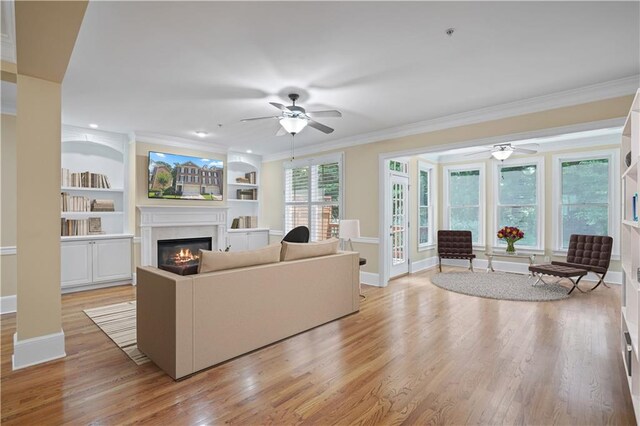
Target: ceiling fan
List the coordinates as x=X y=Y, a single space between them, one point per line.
x=502 y=151
x=294 y=118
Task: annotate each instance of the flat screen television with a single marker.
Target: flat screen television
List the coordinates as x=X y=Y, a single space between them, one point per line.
x=182 y=177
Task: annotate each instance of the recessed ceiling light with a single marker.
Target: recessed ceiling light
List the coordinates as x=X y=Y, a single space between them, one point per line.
x=249 y=151
x=93 y=126
x=201 y=134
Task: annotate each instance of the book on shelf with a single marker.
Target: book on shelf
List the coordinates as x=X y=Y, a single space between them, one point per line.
x=251 y=176
x=244 y=222
x=76 y=227
x=634 y=207
x=84 y=179
x=74 y=203
x=102 y=206
x=242 y=180
x=247 y=194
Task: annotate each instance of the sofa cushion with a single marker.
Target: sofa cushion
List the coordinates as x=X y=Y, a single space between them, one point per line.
x=211 y=261
x=294 y=251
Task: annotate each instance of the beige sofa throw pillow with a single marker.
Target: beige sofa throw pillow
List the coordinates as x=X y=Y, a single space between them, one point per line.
x=211 y=261
x=294 y=251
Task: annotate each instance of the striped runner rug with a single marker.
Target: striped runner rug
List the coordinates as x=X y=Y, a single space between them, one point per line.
x=119 y=323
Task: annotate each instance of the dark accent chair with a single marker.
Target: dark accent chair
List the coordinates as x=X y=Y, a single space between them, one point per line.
x=588 y=253
x=455 y=245
x=299 y=234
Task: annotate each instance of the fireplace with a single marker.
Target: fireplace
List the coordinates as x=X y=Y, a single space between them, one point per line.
x=181 y=256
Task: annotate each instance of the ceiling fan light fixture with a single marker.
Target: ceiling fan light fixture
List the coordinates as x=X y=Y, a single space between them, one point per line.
x=293 y=125
x=502 y=153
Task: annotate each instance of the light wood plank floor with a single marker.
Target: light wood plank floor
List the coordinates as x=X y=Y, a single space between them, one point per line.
x=414 y=354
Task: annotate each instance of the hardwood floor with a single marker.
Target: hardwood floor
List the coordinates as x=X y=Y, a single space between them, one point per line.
x=414 y=354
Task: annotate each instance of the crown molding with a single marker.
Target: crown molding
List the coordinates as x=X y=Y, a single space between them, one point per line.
x=586 y=94
x=178 y=142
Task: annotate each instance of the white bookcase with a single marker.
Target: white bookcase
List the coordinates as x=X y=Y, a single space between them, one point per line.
x=238 y=165
x=90 y=261
x=630 y=251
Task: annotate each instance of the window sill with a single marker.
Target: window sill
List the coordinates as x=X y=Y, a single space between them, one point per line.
x=523 y=250
x=425 y=247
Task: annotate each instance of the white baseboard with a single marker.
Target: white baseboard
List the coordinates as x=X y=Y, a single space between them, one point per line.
x=8 y=304
x=369 y=278
x=423 y=264
x=134 y=278
x=37 y=350
x=86 y=287
x=612 y=277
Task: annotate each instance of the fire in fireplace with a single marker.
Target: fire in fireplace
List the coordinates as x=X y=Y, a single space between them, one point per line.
x=181 y=256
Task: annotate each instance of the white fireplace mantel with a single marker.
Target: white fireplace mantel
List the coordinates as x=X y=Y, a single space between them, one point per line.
x=172 y=222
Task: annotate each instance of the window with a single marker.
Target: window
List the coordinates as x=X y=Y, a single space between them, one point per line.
x=464 y=200
x=313 y=196
x=519 y=200
x=583 y=197
x=426 y=185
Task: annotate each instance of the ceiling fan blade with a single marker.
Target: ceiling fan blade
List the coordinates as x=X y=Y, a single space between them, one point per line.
x=319 y=126
x=280 y=106
x=327 y=113
x=525 y=150
x=281 y=131
x=260 y=118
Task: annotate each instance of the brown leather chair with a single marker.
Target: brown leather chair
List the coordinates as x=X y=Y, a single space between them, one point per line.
x=587 y=253
x=455 y=245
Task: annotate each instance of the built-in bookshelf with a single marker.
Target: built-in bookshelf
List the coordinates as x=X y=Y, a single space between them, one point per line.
x=95 y=248
x=93 y=183
x=630 y=250
x=243 y=186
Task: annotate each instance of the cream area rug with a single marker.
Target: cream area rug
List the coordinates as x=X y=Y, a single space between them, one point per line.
x=119 y=323
x=499 y=285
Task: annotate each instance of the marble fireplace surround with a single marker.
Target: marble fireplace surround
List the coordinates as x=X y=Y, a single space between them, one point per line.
x=172 y=222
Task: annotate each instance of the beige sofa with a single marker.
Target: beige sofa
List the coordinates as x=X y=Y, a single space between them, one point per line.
x=188 y=323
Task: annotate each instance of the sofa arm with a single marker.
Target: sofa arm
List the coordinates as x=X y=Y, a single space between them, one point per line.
x=165 y=319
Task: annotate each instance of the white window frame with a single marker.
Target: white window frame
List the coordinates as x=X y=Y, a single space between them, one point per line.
x=309 y=162
x=432 y=184
x=614 y=194
x=446 y=170
x=540 y=194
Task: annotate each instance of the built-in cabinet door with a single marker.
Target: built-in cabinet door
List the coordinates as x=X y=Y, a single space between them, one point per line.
x=111 y=260
x=258 y=239
x=76 y=263
x=237 y=241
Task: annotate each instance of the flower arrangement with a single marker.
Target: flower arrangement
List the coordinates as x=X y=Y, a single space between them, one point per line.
x=510 y=234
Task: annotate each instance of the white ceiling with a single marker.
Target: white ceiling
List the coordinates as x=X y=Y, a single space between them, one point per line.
x=172 y=68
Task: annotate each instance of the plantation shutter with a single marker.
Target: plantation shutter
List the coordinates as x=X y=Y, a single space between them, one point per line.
x=313 y=198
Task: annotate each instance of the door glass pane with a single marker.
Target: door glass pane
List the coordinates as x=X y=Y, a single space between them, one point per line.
x=590 y=219
x=397 y=223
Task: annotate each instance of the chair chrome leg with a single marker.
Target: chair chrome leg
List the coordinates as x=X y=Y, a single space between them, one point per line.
x=471 y=265
x=440 y=264
x=600 y=281
x=575 y=285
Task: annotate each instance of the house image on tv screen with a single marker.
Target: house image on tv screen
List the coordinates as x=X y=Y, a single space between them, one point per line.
x=182 y=177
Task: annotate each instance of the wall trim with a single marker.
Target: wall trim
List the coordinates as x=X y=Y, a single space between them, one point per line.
x=276 y=232
x=370 y=278
x=592 y=93
x=613 y=277
x=367 y=240
x=137 y=240
x=37 y=350
x=178 y=142
x=423 y=264
x=8 y=250
x=8 y=304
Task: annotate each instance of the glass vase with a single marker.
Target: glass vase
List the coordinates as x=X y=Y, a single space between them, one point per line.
x=511 y=248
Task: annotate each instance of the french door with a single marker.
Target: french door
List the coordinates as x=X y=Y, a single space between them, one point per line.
x=398 y=214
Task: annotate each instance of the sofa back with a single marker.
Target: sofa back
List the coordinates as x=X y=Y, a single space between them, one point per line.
x=223 y=314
